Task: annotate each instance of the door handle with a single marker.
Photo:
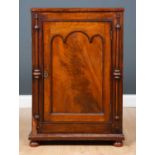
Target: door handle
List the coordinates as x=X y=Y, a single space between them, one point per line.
x=45 y=74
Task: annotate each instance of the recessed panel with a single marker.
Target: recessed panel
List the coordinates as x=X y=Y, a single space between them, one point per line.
x=76 y=74
x=77 y=57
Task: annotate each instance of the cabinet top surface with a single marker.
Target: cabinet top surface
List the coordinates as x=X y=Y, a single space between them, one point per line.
x=77 y=9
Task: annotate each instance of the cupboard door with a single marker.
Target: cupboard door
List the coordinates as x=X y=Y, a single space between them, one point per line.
x=77 y=76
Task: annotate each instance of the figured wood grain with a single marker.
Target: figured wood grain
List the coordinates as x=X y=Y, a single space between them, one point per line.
x=81 y=53
x=79 y=66
x=74 y=74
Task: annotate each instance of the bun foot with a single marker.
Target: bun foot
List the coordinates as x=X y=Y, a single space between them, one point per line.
x=118 y=143
x=34 y=144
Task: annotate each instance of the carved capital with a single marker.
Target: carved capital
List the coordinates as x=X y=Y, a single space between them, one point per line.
x=117 y=74
x=36 y=73
x=118 y=26
x=35 y=16
x=36 y=27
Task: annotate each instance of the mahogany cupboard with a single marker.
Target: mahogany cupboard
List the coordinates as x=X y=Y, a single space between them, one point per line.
x=77 y=71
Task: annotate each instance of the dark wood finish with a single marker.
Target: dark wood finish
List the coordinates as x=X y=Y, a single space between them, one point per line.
x=118 y=143
x=76 y=137
x=34 y=144
x=77 y=60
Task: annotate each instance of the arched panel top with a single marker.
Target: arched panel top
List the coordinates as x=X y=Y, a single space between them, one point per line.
x=96 y=35
x=90 y=39
x=58 y=35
